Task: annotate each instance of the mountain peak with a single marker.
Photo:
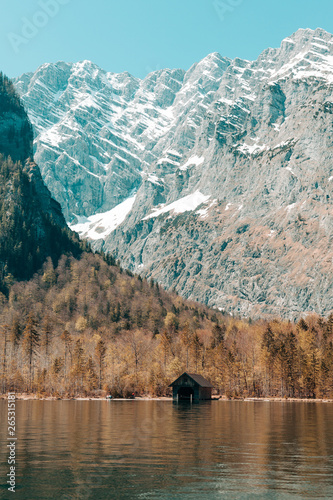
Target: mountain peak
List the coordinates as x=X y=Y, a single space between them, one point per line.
x=214 y=58
x=86 y=65
x=304 y=36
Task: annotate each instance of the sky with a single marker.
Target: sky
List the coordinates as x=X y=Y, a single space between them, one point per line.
x=140 y=36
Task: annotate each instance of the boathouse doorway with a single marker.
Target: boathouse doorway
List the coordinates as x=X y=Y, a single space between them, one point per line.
x=185 y=394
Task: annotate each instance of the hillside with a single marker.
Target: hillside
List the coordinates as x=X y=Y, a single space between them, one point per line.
x=32 y=226
x=216 y=181
x=86 y=325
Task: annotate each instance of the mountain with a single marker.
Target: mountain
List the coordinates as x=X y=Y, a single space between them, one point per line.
x=72 y=323
x=32 y=226
x=216 y=181
x=68 y=317
x=93 y=129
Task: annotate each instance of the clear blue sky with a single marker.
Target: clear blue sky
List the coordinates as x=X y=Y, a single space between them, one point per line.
x=143 y=35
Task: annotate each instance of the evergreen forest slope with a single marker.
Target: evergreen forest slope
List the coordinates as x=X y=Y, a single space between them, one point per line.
x=32 y=226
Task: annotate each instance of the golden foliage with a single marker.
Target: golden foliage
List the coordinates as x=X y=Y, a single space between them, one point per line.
x=87 y=325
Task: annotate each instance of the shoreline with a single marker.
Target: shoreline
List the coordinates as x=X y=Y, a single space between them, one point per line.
x=33 y=397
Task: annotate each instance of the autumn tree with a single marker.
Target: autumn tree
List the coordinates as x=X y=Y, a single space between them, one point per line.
x=15 y=332
x=196 y=346
x=56 y=369
x=31 y=341
x=165 y=342
x=218 y=334
x=78 y=365
x=100 y=352
x=185 y=338
x=4 y=335
x=269 y=353
x=90 y=376
x=46 y=335
x=309 y=360
x=67 y=340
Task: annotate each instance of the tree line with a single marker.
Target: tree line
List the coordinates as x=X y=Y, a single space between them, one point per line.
x=86 y=326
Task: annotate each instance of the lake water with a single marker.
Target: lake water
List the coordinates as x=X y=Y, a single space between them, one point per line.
x=162 y=450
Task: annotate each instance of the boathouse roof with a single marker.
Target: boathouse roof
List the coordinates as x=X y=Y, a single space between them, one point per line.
x=198 y=379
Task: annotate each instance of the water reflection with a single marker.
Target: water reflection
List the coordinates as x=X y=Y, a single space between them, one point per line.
x=157 y=449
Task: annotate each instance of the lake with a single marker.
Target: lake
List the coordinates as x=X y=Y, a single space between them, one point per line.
x=163 y=450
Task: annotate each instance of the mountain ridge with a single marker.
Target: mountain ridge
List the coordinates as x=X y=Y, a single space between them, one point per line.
x=251 y=138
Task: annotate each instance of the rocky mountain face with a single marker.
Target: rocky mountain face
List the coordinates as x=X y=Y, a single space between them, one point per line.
x=94 y=130
x=217 y=181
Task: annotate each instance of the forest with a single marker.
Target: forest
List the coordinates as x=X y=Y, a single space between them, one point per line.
x=32 y=226
x=89 y=328
x=28 y=234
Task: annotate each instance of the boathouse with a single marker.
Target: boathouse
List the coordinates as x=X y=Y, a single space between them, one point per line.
x=191 y=387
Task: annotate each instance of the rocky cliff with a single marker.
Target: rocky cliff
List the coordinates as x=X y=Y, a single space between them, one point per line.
x=216 y=181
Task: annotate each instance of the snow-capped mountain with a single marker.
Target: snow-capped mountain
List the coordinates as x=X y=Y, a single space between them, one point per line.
x=94 y=130
x=217 y=181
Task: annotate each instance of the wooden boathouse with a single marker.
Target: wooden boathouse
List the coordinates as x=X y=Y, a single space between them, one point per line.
x=191 y=387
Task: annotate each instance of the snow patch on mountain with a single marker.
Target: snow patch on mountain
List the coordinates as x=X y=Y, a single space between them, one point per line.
x=193 y=161
x=101 y=225
x=186 y=204
x=252 y=149
x=204 y=212
x=154 y=179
